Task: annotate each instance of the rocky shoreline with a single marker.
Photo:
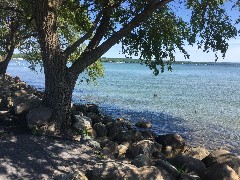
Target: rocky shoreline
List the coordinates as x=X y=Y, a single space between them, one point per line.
x=122 y=150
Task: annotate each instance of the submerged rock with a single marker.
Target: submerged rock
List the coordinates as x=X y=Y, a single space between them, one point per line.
x=143 y=124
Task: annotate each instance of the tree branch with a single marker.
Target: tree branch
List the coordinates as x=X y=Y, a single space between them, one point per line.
x=92 y=55
x=70 y=49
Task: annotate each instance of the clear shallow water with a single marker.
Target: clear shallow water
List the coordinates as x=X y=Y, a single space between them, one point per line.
x=200 y=102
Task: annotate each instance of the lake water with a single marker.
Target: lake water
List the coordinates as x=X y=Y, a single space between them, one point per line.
x=201 y=102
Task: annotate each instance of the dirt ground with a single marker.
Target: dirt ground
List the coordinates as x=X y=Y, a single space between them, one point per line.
x=25 y=156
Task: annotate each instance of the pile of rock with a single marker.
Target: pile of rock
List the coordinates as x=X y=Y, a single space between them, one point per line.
x=129 y=152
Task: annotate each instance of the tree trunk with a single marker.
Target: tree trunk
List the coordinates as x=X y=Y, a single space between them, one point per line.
x=59 y=84
x=4 y=63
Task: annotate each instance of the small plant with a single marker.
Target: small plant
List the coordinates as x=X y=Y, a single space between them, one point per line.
x=182 y=169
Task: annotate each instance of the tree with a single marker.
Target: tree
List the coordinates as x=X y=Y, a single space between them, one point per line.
x=15 y=28
x=150 y=28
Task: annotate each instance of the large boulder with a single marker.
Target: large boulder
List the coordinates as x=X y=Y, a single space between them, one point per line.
x=173 y=142
x=197 y=152
x=223 y=157
x=114 y=170
x=26 y=103
x=188 y=164
x=220 y=172
x=39 y=116
x=145 y=147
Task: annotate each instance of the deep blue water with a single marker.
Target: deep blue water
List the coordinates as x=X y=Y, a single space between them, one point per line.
x=200 y=102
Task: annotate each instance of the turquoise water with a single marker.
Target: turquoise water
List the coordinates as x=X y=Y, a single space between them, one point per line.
x=200 y=102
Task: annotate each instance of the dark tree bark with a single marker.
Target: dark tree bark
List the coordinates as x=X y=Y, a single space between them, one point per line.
x=9 y=47
x=59 y=84
x=4 y=63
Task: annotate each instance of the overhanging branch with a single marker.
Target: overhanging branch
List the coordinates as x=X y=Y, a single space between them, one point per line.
x=92 y=55
x=70 y=49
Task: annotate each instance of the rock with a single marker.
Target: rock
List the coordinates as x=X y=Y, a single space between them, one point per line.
x=91 y=132
x=39 y=116
x=82 y=123
x=168 y=167
x=176 y=142
x=113 y=170
x=26 y=103
x=100 y=129
x=16 y=79
x=110 y=145
x=20 y=93
x=94 y=117
x=142 y=160
x=123 y=136
x=223 y=157
x=220 y=172
x=93 y=108
x=143 y=124
x=81 y=108
x=75 y=175
x=107 y=119
x=188 y=164
x=147 y=135
x=197 y=152
x=145 y=147
x=5 y=102
x=113 y=128
x=122 y=149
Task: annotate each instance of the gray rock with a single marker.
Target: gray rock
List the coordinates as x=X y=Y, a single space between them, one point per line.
x=26 y=103
x=142 y=160
x=176 y=142
x=168 y=167
x=75 y=175
x=220 y=172
x=188 y=164
x=145 y=147
x=100 y=129
x=113 y=170
x=223 y=157
x=113 y=128
x=20 y=93
x=82 y=123
x=143 y=124
x=197 y=152
x=39 y=116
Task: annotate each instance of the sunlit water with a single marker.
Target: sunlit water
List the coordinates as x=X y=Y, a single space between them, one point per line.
x=200 y=102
